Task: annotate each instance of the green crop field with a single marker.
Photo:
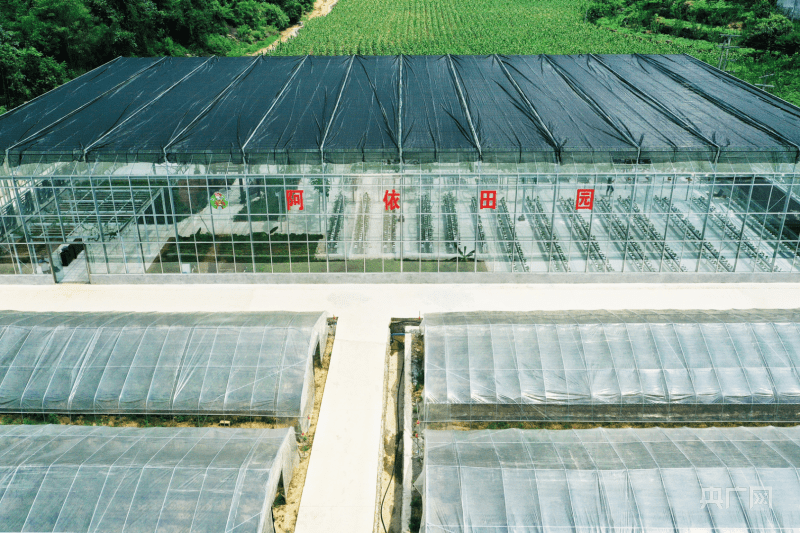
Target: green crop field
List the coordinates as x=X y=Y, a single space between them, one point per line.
x=378 y=27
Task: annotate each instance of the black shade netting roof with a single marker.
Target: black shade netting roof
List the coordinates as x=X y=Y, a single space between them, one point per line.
x=606 y=365
x=85 y=478
x=632 y=480
x=411 y=108
x=171 y=363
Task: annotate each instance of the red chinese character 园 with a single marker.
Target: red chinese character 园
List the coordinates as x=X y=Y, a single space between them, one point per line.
x=391 y=200
x=294 y=197
x=585 y=199
x=488 y=200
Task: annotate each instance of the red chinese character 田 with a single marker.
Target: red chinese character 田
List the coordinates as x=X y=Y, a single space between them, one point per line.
x=488 y=200
x=294 y=197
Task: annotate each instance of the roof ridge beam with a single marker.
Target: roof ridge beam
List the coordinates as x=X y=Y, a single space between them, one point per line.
x=661 y=107
x=272 y=105
x=204 y=112
x=465 y=107
x=335 y=108
x=400 y=110
x=551 y=139
x=145 y=106
x=80 y=108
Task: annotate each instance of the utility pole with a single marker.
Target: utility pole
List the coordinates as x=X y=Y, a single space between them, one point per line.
x=725 y=48
x=764 y=86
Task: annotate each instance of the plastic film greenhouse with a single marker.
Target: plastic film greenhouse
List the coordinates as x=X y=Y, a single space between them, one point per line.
x=518 y=165
x=82 y=479
x=614 y=366
x=633 y=480
x=247 y=364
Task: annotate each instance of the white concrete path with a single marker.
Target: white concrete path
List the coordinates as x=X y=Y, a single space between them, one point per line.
x=340 y=490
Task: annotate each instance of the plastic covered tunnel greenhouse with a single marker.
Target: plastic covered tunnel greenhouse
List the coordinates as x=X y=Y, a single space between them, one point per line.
x=618 y=366
x=248 y=168
x=245 y=364
x=84 y=479
x=632 y=480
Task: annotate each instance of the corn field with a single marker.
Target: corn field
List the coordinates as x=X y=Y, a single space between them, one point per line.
x=378 y=27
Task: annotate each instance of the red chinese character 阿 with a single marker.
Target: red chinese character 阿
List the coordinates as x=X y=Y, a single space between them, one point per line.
x=294 y=197
x=391 y=200
x=585 y=199
x=488 y=200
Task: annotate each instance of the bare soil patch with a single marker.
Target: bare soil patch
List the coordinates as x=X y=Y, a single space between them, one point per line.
x=321 y=8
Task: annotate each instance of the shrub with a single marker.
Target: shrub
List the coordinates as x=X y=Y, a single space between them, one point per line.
x=764 y=34
x=274 y=16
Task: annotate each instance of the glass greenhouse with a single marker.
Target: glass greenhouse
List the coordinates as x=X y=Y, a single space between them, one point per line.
x=612 y=480
x=235 y=364
x=612 y=366
x=599 y=165
x=83 y=478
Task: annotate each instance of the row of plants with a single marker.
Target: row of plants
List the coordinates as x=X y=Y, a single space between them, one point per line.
x=546 y=27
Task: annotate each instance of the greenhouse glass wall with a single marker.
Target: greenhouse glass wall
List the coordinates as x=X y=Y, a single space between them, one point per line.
x=588 y=164
x=612 y=366
x=232 y=364
x=614 y=480
x=83 y=479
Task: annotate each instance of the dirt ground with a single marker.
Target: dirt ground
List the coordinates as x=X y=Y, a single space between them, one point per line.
x=321 y=8
x=285 y=515
x=391 y=486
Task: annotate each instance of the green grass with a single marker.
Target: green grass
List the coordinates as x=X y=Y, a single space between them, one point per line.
x=375 y=27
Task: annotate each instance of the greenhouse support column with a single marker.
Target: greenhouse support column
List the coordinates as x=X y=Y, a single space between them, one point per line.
x=26 y=234
x=99 y=224
x=783 y=223
x=211 y=218
x=249 y=221
x=136 y=223
x=705 y=224
x=553 y=228
x=744 y=223
x=631 y=214
x=174 y=223
x=666 y=226
x=120 y=239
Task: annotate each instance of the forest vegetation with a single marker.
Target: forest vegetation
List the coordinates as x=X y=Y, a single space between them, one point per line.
x=44 y=43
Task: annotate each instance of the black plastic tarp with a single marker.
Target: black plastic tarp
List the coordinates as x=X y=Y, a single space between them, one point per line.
x=410 y=108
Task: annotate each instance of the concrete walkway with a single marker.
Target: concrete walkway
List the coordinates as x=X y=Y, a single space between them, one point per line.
x=340 y=490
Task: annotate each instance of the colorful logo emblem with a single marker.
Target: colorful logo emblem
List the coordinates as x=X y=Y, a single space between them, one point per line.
x=218 y=201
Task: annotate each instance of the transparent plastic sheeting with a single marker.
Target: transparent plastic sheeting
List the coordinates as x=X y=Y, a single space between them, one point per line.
x=86 y=479
x=160 y=363
x=414 y=109
x=613 y=365
x=632 y=480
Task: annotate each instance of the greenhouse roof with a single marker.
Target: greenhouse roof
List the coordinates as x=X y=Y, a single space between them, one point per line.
x=403 y=108
x=627 y=365
x=85 y=478
x=716 y=479
x=171 y=363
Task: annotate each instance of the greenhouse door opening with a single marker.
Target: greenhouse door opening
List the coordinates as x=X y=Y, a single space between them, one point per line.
x=70 y=263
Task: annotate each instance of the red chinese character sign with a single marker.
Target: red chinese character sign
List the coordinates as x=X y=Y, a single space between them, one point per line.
x=585 y=199
x=293 y=198
x=488 y=200
x=391 y=200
